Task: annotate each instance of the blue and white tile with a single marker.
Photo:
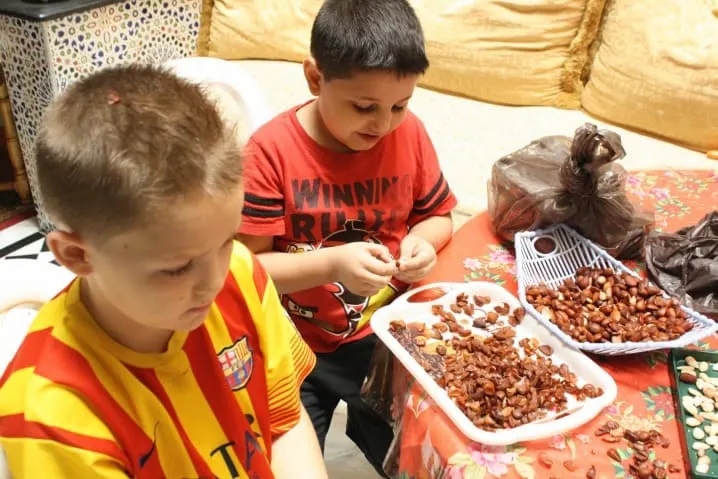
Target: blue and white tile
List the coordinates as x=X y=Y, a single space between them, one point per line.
x=41 y=59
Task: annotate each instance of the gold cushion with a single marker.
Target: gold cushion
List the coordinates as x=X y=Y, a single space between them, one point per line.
x=656 y=70
x=261 y=29
x=519 y=52
x=205 y=21
x=516 y=52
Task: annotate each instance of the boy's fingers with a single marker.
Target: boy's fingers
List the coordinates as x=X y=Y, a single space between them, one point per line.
x=408 y=248
x=377 y=267
x=413 y=276
x=381 y=252
x=421 y=259
x=374 y=282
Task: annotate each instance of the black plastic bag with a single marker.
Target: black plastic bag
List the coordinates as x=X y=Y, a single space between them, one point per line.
x=576 y=181
x=685 y=264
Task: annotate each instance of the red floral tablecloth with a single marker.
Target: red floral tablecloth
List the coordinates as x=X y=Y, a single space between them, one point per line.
x=429 y=446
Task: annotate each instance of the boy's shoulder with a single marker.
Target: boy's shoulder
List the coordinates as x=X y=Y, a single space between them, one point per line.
x=279 y=129
x=242 y=262
x=412 y=126
x=247 y=271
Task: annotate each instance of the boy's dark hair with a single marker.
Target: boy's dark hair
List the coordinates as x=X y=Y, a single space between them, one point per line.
x=120 y=146
x=362 y=35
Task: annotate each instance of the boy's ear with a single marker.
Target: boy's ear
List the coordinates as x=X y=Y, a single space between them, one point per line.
x=313 y=75
x=70 y=251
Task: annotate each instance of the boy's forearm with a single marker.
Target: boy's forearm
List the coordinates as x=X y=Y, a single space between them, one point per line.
x=292 y=272
x=436 y=230
x=296 y=454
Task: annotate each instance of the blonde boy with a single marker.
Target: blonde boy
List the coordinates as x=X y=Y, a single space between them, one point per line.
x=169 y=355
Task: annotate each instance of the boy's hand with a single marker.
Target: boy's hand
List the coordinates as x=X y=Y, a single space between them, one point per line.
x=418 y=257
x=363 y=268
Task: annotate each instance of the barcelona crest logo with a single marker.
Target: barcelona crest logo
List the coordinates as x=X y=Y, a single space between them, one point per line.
x=237 y=363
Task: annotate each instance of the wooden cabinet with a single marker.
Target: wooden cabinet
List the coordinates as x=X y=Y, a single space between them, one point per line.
x=19 y=182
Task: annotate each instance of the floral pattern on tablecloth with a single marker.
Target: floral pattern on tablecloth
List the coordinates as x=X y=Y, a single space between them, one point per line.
x=659 y=401
x=480 y=461
x=432 y=447
x=492 y=266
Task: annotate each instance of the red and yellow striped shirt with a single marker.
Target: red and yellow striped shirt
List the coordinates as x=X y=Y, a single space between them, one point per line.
x=76 y=404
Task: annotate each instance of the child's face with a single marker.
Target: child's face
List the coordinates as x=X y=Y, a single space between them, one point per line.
x=163 y=276
x=360 y=110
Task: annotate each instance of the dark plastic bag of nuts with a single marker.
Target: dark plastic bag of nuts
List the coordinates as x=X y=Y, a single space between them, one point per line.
x=685 y=264
x=377 y=389
x=386 y=386
x=576 y=181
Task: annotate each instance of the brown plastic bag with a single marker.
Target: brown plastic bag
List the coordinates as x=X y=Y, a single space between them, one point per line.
x=577 y=182
x=685 y=264
x=377 y=389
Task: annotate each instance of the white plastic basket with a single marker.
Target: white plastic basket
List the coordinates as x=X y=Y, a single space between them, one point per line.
x=573 y=251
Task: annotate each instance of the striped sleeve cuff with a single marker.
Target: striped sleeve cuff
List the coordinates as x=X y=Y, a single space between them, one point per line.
x=429 y=203
x=262 y=207
x=284 y=402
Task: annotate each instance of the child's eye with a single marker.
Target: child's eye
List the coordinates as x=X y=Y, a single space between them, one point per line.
x=179 y=271
x=364 y=109
x=397 y=108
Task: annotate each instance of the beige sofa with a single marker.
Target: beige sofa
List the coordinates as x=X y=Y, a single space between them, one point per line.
x=505 y=72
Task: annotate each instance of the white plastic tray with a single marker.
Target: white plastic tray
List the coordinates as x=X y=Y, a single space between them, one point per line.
x=585 y=369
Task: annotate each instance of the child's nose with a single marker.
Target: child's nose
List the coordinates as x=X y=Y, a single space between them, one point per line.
x=382 y=123
x=211 y=280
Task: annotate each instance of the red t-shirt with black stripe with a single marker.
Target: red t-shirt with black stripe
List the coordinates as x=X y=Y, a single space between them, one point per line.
x=309 y=197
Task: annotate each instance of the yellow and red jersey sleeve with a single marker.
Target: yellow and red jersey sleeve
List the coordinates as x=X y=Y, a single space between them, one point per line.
x=46 y=429
x=38 y=444
x=287 y=358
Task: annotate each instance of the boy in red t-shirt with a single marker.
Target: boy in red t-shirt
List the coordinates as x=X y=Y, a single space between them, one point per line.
x=350 y=181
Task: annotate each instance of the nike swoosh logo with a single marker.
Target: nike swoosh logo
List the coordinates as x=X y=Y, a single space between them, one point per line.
x=146 y=456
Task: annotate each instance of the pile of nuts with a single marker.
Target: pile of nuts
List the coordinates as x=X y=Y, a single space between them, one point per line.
x=701 y=404
x=601 y=306
x=642 y=443
x=487 y=376
x=429 y=360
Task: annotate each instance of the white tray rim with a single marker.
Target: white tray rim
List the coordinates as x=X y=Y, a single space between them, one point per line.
x=589 y=410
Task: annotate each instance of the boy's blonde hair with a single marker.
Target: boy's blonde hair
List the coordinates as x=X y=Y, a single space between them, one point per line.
x=118 y=148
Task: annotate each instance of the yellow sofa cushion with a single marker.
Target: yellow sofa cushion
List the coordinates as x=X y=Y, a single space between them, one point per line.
x=259 y=29
x=656 y=70
x=519 y=52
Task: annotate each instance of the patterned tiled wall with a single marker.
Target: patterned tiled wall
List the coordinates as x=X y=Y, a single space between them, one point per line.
x=41 y=59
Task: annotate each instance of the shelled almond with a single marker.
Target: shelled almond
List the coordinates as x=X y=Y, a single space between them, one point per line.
x=701 y=406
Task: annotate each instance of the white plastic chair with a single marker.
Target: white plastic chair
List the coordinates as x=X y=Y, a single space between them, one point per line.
x=231 y=78
x=25 y=285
